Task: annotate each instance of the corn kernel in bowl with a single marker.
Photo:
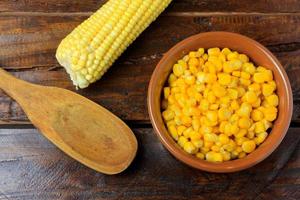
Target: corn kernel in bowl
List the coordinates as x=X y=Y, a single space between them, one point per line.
x=217 y=105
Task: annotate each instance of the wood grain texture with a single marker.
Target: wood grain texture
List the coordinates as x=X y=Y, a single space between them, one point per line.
x=177 y=5
x=32 y=168
x=28 y=43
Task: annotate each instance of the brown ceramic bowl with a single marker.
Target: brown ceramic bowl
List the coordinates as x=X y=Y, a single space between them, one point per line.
x=260 y=56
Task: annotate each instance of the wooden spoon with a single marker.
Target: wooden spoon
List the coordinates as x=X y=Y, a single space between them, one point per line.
x=81 y=128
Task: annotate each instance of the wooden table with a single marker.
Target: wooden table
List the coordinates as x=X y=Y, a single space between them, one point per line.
x=32 y=168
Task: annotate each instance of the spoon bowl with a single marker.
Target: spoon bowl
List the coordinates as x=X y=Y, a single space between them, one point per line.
x=81 y=128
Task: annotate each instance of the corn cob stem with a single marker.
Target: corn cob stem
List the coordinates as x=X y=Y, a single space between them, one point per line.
x=91 y=48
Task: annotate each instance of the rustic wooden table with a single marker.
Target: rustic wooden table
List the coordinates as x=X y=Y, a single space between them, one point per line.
x=32 y=168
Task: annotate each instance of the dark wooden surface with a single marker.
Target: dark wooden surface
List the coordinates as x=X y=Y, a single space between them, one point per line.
x=32 y=168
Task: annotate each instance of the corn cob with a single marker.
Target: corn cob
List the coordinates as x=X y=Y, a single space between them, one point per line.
x=91 y=48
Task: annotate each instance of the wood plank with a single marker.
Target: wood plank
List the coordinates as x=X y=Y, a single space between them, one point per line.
x=28 y=43
x=32 y=168
x=283 y=186
x=177 y=5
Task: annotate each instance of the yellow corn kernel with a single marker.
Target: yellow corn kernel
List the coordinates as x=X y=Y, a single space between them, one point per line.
x=259 y=127
x=250 y=134
x=196 y=124
x=269 y=75
x=241 y=155
x=218 y=90
x=227 y=129
x=182 y=140
x=234 y=82
x=254 y=87
x=245 y=75
x=236 y=73
x=200 y=155
x=194 y=69
x=201 y=51
x=248 y=146
x=232 y=56
x=234 y=105
x=210 y=137
x=226 y=156
x=242 y=132
x=240 y=141
x=259 y=77
x=267 y=89
x=227 y=67
x=245 y=82
x=211 y=97
x=217 y=61
x=222 y=126
x=260 y=138
x=205 y=129
x=205 y=57
x=190 y=80
x=225 y=51
x=194 y=135
x=251 y=97
x=244 y=123
x=180 y=130
x=229 y=147
x=224 y=139
x=185 y=58
x=172 y=79
x=236 y=64
x=183 y=64
x=211 y=78
x=193 y=54
x=273 y=100
x=213 y=51
x=271 y=116
x=173 y=131
x=193 y=62
x=208 y=144
x=241 y=91
x=186 y=120
x=186 y=132
x=224 y=79
x=225 y=100
x=249 y=68
x=224 y=114
x=204 y=150
x=178 y=70
x=166 y=92
x=233 y=93
x=234 y=129
x=190 y=148
x=214 y=106
x=245 y=110
x=257 y=103
x=257 y=115
x=177 y=120
x=215 y=148
x=197 y=143
x=243 y=58
x=170 y=123
x=214 y=157
x=212 y=116
x=204 y=105
x=168 y=115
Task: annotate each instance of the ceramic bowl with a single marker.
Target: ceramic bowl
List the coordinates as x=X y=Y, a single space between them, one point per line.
x=260 y=56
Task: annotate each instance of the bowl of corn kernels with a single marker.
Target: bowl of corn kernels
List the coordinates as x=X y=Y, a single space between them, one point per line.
x=220 y=102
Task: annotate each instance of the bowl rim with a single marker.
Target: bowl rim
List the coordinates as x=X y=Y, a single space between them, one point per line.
x=227 y=166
